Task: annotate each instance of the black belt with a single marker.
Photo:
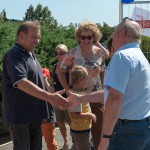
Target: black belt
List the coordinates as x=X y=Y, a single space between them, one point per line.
x=133 y=121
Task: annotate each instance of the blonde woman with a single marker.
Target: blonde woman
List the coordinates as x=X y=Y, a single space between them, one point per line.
x=61 y=116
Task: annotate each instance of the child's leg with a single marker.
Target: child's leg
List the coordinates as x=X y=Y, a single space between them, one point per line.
x=80 y=141
x=48 y=130
x=63 y=130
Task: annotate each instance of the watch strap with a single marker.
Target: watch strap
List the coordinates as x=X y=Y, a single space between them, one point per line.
x=106 y=136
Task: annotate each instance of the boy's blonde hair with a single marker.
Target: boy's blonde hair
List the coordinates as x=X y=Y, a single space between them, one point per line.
x=77 y=74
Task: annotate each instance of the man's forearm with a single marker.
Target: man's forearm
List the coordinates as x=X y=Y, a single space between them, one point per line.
x=95 y=97
x=112 y=110
x=110 y=116
x=54 y=98
x=32 y=89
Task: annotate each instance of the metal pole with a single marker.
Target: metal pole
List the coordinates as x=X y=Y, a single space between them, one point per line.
x=120 y=11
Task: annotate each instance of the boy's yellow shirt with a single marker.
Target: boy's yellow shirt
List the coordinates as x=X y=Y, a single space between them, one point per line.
x=84 y=123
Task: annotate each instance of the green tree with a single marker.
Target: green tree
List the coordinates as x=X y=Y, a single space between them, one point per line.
x=106 y=31
x=3 y=15
x=45 y=50
x=145 y=44
x=38 y=13
x=30 y=14
x=7 y=38
x=43 y=15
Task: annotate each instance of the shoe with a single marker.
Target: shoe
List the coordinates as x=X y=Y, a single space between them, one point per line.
x=91 y=144
x=65 y=147
x=91 y=147
x=72 y=147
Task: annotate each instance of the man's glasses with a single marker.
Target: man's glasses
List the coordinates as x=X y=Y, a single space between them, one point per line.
x=127 y=18
x=60 y=53
x=89 y=37
x=125 y=27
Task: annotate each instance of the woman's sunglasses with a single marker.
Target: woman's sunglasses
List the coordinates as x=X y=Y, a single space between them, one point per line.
x=89 y=37
x=60 y=53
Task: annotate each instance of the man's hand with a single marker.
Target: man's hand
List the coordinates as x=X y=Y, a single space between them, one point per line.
x=59 y=101
x=53 y=98
x=74 y=99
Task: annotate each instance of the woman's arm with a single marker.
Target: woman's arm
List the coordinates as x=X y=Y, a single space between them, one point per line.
x=62 y=78
x=49 y=88
x=106 y=52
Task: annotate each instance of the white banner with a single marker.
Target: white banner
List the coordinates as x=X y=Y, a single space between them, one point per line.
x=142 y=16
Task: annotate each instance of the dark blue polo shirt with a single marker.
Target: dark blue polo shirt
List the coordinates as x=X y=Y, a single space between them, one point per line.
x=19 y=107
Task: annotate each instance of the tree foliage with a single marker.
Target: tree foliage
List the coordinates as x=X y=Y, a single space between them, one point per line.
x=42 y=14
x=30 y=13
x=3 y=15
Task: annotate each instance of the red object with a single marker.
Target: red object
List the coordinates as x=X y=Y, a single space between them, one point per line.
x=144 y=23
x=46 y=72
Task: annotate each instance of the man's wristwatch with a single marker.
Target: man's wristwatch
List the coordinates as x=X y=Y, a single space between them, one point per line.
x=106 y=136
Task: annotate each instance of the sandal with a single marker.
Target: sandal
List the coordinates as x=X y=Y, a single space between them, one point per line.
x=65 y=147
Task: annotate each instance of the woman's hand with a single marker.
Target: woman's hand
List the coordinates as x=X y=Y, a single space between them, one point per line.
x=105 y=51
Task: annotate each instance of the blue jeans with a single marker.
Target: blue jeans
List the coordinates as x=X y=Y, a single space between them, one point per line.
x=26 y=136
x=131 y=136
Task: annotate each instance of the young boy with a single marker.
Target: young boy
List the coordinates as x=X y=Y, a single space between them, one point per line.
x=81 y=116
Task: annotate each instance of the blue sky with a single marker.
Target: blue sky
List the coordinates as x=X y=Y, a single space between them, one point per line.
x=66 y=11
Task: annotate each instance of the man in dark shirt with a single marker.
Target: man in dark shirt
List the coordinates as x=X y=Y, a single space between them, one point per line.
x=23 y=90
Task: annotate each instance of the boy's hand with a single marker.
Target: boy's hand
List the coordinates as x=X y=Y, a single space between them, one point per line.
x=93 y=117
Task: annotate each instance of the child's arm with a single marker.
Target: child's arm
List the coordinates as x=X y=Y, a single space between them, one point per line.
x=79 y=115
x=49 y=88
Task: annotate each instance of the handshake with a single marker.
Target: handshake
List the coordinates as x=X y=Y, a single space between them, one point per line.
x=64 y=103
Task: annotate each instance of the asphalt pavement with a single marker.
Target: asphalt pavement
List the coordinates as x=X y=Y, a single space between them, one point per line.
x=9 y=146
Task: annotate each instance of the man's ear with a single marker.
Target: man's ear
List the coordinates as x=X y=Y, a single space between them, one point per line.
x=21 y=35
x=122 y=33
